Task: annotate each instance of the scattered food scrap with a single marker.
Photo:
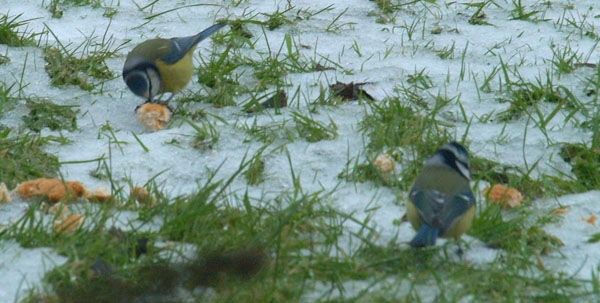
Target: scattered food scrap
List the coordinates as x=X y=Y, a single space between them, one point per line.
x=591 y=220
x=53 y=189
x=385 y=163
x=350 y=91
x=142 y=196
x=100 y=194
x=4 y=194
x=71 y=223
x=153 y=116
x=60 y=210
x=560 y=211
x=503 y=195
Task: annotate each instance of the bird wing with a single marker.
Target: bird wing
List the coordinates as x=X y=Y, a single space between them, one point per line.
x=441 y=210
x=454 y=208
x=181 y=46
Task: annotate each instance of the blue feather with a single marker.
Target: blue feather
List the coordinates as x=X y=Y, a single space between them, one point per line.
x=425 y=237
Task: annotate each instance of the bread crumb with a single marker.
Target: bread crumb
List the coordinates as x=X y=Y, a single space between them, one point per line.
x=591 y=220
x=100 y=194
x=72 y=223
x=60 y=210
x=503 y=195
x=385 y=163
x=4 y=194
x=142 y=196
x=54 y=189
x=560 y=211
x=153 y=116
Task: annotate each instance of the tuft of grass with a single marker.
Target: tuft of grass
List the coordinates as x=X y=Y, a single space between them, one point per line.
x=255 y=172
x=22 y=158
x=277 y=18
x=57 y=7
x=217 y=73
x=393 y=125
x=312 y=130
x=520 y=12
x=565 y=60
x=524 y=98
x=83 y=65
x=585 y=163
x=10 y=33
x=269 y=133
x=206 y=135
x=66 y=69
x=44 y=113
x=512 y=232
x=6 y=98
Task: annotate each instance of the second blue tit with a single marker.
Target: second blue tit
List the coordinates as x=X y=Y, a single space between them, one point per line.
x=441 y=202
x=159 y=65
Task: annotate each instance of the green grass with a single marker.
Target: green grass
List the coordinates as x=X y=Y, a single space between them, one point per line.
x=22 y=158
x=66 y=69
x=44 y=113
x=291 y=244
x=396 y=128
x=6 y=97
x=585 y=162
x=83 y=65
x=13 y=32
x=57 y=7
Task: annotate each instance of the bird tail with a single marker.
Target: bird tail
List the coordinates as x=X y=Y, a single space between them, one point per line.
x=425 y=237
x=207 y=32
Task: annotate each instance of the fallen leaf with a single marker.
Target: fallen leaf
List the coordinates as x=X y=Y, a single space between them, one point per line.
x=350 y=91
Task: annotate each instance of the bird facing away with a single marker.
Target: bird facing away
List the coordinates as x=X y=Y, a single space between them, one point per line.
x=441 y=203
x=159 y=65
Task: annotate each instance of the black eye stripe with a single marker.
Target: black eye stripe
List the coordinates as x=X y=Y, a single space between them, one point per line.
x=450 y=159
x=149 y=83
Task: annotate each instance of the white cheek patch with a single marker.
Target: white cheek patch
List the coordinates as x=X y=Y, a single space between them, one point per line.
x=155 y=84
x=463 y=169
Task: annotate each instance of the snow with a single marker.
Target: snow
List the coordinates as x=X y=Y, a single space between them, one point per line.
x=318 y=164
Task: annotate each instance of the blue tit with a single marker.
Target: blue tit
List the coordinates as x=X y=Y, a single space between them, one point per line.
x=441 y=202
x=159 y=65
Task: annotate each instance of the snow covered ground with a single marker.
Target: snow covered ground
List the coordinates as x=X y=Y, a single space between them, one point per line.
x=382 y=54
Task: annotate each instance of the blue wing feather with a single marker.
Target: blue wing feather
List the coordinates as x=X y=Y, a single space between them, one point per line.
x=181 y=46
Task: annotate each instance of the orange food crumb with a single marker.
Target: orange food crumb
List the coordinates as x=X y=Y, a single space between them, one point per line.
x=503 y=195
x=60 y=210
x=53 y=189
x=560 y=211
x=73 y=222
x=142 y=196
x=592 y=219
x=153 y=116
x=100 y=194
